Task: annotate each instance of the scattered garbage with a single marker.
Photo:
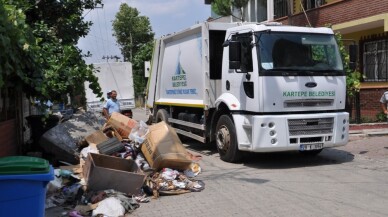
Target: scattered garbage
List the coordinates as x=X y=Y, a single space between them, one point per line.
x=120 y=164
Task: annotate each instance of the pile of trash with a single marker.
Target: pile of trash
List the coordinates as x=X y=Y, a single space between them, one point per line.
x=121 y=165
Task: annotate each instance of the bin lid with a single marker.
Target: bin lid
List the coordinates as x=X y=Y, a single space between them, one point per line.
x=23 y=165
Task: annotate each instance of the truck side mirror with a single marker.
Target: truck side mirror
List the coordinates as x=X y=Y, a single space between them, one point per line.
x=353 y=56
x=234 y=55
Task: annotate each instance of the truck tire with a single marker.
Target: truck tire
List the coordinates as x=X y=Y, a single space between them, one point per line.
x=162 y=115
x=226 y=140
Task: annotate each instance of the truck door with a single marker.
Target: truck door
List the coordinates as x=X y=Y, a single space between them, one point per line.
x=240 y=79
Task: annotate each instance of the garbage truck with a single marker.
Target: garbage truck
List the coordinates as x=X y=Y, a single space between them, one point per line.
x=251 y=87
x=112 y=76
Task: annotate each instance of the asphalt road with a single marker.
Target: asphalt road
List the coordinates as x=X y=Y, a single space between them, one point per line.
x=346 y=181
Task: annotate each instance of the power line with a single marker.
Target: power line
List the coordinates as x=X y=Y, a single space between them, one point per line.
x=107 y=57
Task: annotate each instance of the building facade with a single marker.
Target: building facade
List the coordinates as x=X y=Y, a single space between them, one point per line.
x=360 y=22
x=14 y=129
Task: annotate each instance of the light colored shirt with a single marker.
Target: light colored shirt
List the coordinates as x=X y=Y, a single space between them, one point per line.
x=384 y=97
x=112 y=106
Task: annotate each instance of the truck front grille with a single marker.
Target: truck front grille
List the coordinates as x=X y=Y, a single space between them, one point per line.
x=308 y=103
x=301 y=127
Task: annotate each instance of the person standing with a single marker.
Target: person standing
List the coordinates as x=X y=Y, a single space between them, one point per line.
x=111 y=105
x=383 y=102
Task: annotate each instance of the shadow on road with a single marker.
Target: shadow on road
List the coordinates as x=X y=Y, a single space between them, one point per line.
x=280 y=160
x=205 y=149
x=287 y=160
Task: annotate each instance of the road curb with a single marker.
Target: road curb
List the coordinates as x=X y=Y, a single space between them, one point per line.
x=368 y=133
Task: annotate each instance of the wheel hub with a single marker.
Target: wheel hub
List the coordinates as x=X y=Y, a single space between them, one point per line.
x=223 y=138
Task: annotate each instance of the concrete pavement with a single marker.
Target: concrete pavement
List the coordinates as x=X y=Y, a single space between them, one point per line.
x=344 y=181
x=364 y=130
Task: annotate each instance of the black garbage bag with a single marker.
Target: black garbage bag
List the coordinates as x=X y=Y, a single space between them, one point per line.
x=63 y=140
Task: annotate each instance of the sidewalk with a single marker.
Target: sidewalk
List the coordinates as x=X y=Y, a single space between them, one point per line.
x=368 y=129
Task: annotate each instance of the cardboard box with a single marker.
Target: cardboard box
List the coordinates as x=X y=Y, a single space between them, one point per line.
x=162 y=148
x=104 y=172
x=96 y=138
x=122 y=124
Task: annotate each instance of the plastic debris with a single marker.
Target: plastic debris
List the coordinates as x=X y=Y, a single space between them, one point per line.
x=193 y=171
x=109 y=207
x=138 y=132
x=169 y=174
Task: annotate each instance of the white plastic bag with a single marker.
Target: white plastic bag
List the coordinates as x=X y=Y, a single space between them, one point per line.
x=110 y=207
x=169 y=174
x=89 y=149
x=138 y=132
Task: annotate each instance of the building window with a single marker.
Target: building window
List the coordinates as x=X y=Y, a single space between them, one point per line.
x=256 y=11
x=262 y=10
x=375 y=60
x=309 y=4
x=280 y=8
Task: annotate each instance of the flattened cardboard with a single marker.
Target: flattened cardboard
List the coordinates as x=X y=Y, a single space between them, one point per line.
x=162 y=148
x=96 y=138
x=122 y=124
x=104 y=172
x=110 y=132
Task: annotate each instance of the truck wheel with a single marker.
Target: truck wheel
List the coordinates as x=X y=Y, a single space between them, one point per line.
x=162 y=115
x=226 y=140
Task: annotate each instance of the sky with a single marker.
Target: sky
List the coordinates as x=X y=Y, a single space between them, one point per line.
x=166 y=16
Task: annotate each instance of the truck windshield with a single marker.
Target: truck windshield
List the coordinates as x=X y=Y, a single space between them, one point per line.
x=298 y=54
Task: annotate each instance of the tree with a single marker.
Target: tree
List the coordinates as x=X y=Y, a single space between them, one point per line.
x=225 y=7
x=222 y=7
x=353 y=77
x=131 y=30
x=41 y=38
x=134 y=36
x=144 y=54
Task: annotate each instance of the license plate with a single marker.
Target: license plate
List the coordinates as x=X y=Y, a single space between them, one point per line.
x=308 y=147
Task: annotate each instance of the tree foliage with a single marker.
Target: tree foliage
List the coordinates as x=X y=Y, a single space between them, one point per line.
x=131 y=30
x=40 y=38
x=225 y=7
x=134 y=36
x=222 y=7
x=353 y=77
x=144 y=54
